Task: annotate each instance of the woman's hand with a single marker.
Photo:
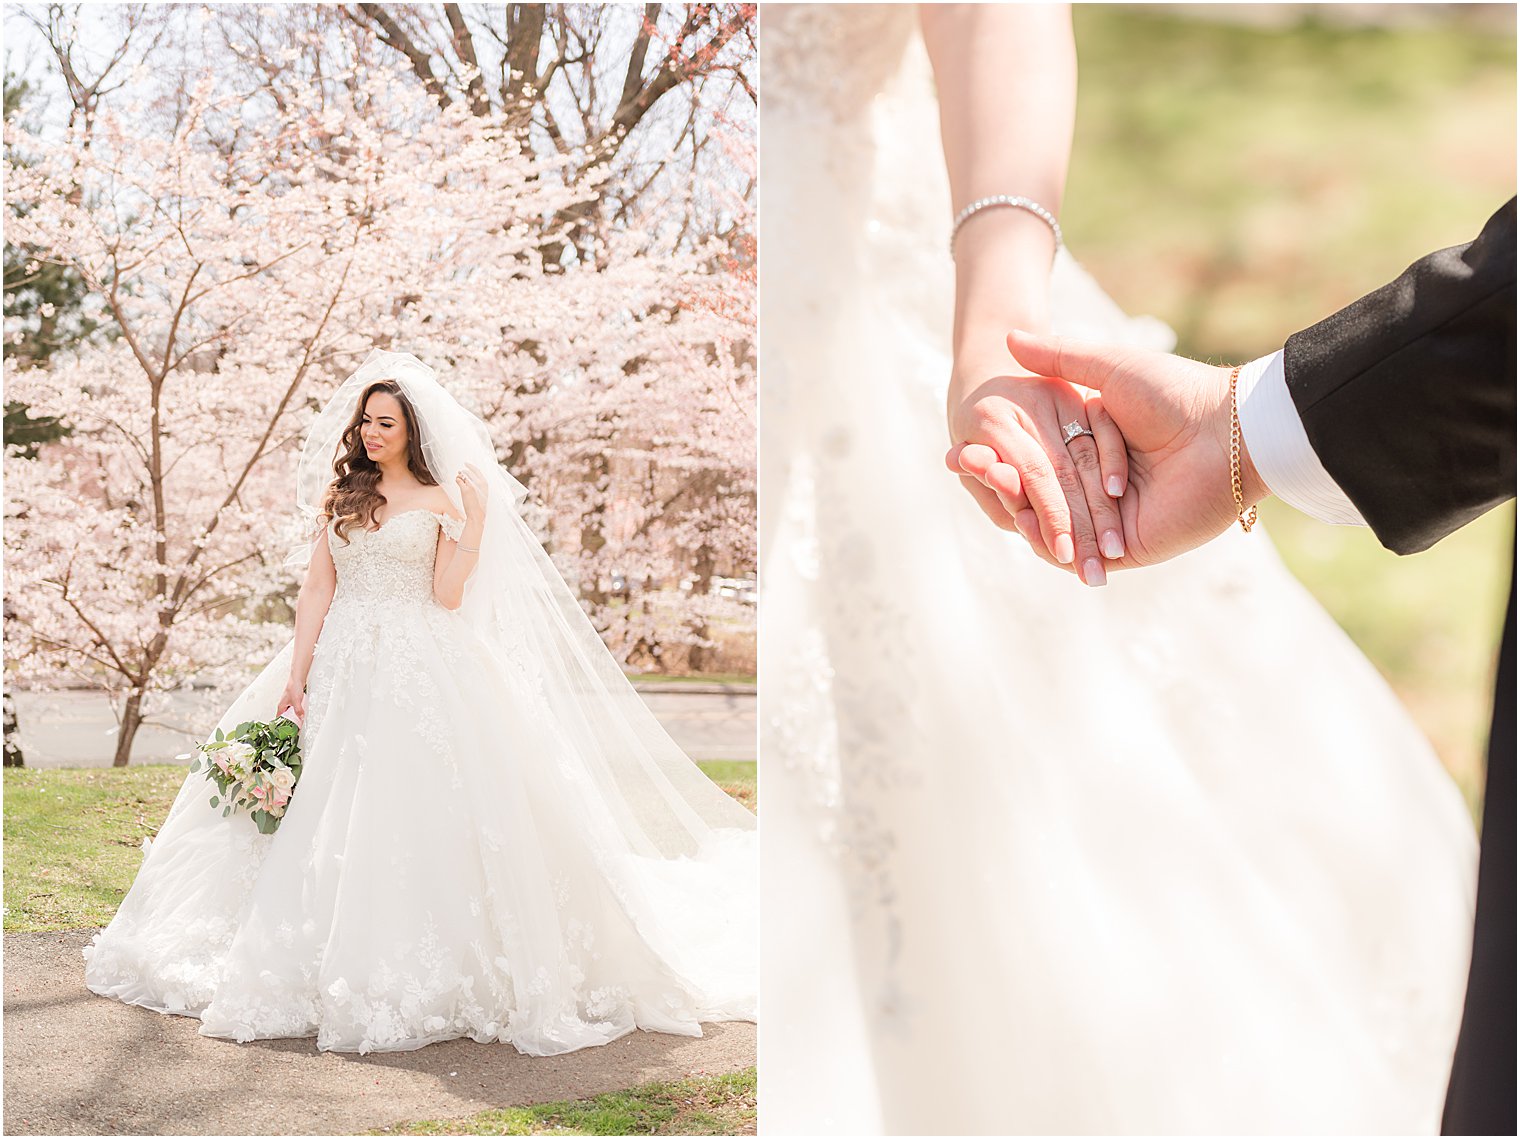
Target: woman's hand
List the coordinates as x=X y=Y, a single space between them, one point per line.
x=1006 y=443
x=293 y=698
x=473 y=492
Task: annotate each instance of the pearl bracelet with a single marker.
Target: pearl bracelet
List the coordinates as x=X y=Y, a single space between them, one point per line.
x=1015 y=201
x=467 y=549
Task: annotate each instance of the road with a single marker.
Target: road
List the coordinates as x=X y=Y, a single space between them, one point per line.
x=78 y=1064
x=76 y=728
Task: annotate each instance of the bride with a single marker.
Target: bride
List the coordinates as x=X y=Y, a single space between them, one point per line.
x=492 y=837
x=1164 y=856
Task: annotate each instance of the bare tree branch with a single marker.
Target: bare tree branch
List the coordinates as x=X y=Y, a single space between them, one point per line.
x=393 y=35
x=464 y=48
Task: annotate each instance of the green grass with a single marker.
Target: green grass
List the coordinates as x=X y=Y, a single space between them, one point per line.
x=73 y=840
x=707 y=1105
x=737 y=777
x=1242 y=182
x=73 y=836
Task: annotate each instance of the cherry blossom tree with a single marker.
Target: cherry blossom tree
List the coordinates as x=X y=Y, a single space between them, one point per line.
x=245 y=245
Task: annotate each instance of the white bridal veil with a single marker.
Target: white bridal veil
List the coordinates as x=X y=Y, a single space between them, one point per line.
x=636 y=777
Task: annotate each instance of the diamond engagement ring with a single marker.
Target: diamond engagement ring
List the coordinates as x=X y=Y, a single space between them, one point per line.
x=1074 y=429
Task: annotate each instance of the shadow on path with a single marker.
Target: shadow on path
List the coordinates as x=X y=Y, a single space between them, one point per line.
x=78 y=1064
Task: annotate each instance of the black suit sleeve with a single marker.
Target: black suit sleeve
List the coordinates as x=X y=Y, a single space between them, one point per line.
x=1408 y=395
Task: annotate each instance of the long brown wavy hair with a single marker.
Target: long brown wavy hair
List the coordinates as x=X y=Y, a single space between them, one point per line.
x=354 y=495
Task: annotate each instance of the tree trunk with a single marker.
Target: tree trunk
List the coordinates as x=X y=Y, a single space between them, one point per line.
x=131 y=720
x=696 y=657
x=593 y=536
x=13 y=757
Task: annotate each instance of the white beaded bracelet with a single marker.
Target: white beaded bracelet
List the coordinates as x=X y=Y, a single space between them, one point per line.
x=1013 y=200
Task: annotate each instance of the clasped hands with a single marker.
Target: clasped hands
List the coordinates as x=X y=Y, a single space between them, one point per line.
x=1151 y=482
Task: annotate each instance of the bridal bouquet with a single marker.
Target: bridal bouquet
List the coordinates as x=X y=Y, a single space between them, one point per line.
x=255 y=768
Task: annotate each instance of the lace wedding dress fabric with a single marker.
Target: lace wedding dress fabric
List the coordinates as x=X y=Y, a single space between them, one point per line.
x=448 y=866
x=1162 y=857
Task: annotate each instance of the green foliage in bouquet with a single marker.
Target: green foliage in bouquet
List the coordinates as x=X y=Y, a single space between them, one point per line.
x=255 y=768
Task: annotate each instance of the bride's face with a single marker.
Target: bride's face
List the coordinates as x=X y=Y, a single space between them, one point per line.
x=383 y=429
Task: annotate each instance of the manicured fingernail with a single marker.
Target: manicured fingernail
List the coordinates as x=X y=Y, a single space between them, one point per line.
x=1092 y=572
x=1065 y=551
x=1115 y=487
x=1113 y=545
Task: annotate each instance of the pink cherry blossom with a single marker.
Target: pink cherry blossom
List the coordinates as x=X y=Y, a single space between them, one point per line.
x=249 y=255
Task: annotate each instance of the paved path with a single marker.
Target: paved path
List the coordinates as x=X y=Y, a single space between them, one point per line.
x=78 y=1064
x=76 y=728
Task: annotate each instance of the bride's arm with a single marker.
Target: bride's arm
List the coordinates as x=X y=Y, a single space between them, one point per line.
x=456 y=560
x=453 y=565
x=1007 y=82
x=1006 y=78
x=311 y=610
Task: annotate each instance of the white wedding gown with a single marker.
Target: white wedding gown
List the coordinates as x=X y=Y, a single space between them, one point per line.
x=446 y=867
x=1162 y=857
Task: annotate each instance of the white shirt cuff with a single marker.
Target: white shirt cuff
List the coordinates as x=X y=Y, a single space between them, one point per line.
x=1274 y=435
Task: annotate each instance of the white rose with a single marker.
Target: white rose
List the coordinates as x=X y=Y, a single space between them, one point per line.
x=240 y=755
x=281 y=778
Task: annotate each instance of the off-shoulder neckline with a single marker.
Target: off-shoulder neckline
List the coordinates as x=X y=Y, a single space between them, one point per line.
x=437 y=514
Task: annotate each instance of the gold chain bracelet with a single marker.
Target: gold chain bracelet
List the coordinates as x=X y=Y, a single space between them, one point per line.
x=1246 y=517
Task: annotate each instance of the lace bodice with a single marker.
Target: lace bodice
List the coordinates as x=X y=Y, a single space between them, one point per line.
x=830 y=60
x=384 y=607
x=392 y=565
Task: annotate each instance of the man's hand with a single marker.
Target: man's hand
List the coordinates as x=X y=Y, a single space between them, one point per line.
x=1175 y=417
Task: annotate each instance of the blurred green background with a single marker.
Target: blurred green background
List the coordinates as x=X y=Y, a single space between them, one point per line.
x=1241 y=171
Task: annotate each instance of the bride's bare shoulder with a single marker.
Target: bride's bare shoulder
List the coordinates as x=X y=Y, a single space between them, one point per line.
x=438 y=502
